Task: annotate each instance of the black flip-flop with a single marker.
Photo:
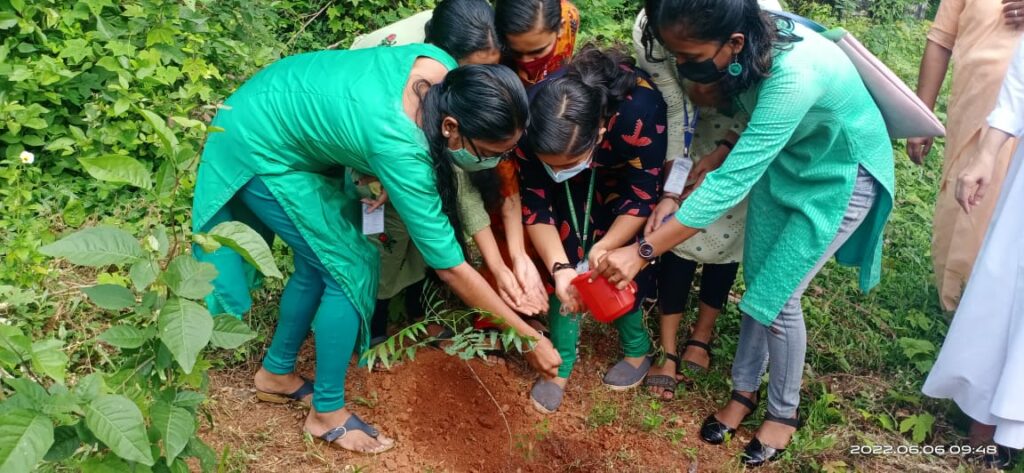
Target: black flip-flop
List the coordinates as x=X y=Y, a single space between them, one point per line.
x=281 y=398
x=353 y=423
x=444 y=335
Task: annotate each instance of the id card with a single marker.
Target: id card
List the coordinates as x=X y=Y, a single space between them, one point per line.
x=373 y=222
x=676 y=181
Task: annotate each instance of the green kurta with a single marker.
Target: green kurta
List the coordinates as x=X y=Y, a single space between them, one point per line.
x=812 y=122
x=297 y=124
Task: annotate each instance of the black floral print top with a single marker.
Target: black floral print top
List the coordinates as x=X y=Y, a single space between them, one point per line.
x=628 y=164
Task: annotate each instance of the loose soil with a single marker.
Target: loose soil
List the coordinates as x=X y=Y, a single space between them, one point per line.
x=449 y=415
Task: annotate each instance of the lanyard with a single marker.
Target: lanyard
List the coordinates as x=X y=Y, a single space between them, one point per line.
x=689 y=127
x=586 y=211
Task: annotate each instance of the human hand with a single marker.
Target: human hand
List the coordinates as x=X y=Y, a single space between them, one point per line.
x=1013 y=13
x=376 y=203
x=596 y=252
x=665 y=208
x=918 y=148
x=544 y=358
x=529 y=279
x=707 y=164
x=566 y=293
x=973 y=182
x=621 y=265
x=508 y=287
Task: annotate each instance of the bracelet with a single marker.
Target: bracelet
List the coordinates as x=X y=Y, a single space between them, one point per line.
x=726 y=143
x=560 y=266
x=678 y=199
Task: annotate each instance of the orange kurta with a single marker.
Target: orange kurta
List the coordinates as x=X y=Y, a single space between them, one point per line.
x=982 y=45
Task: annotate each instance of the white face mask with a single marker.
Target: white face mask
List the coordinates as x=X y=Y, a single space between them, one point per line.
x=566 y=174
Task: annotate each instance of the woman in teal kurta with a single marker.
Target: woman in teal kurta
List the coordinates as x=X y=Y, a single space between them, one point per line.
x=289 y=133
x=817 y=164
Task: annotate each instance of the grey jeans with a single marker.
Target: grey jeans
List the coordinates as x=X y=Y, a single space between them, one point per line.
x=782 y=346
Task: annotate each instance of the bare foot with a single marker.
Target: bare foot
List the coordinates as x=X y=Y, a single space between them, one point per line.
x=318 y=424
x=668 y=368
x=733 y=413
x=284 y=384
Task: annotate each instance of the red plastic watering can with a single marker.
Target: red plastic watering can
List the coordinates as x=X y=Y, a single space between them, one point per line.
x=603 y=300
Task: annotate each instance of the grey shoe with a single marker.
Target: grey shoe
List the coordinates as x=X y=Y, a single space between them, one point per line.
x=546 y=396
x=624 y=376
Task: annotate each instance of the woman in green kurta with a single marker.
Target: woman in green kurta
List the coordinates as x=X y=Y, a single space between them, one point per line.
x=289 y=133
x=817 y=164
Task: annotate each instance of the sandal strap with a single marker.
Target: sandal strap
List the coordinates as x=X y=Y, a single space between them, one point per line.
x=749 y=404
x=699 y=344
x=790 y=421
x=675 y=358
x=305 y=390
x=353 y=423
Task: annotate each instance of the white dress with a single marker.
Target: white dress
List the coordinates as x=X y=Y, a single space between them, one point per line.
x=981 y=365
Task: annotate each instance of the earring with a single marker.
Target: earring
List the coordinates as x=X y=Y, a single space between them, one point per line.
x=735 y=68
x=446 y=134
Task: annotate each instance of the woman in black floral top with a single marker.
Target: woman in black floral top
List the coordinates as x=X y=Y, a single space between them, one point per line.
x=597 y=134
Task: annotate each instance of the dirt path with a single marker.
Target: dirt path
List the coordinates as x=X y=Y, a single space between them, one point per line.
x=440 y=410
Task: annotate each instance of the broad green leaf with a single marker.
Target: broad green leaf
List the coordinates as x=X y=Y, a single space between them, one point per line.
x=15 y=347
x=125 y=336
x=165 y=178
x=207 y=243
x=188 y=399
x=33 y=395
x=175 y=426
x=189 y=278
x=65 y=442
x=143 y=273
x=25 y=437
x=118 y=423
x=96 y=246
x=166 y=135
x=229 y=332
x=110 y=296
x=118 y=169
x=185 y=329
x=239 y=237
x=90 y=387
x=8 y=20
x=48 y=358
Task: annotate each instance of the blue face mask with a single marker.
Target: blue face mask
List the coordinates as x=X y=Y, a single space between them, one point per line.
x=566 y=174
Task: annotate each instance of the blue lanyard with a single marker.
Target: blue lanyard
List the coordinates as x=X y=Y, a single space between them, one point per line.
x=689 y=127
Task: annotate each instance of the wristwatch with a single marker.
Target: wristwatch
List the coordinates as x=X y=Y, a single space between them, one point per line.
x=646 y=251
x=560 y=266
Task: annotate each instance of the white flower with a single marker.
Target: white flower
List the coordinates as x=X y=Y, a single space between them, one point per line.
x=27 y=157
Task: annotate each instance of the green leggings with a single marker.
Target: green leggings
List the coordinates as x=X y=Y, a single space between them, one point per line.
x=311 y=299
x=565 y=335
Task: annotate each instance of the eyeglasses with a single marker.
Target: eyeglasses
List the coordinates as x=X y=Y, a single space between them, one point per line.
x=480 y=157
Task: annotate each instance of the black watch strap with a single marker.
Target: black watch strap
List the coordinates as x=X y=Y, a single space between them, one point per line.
x=728 y=144
x=560 y=266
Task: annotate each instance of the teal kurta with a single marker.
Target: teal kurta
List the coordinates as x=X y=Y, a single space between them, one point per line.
x=812 y=122
x=297 y=124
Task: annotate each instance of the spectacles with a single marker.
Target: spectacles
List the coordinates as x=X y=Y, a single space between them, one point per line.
x=480 y=157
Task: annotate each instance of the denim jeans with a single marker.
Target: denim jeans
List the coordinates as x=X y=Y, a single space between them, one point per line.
x=781 y=347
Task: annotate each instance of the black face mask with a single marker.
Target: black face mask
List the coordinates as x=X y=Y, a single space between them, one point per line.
x=703 y=72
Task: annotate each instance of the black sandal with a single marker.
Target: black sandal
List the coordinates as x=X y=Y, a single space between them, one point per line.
x=703 y=346
x=667 y=382
x=354 y=423
x=757 y=453
x=282 y=398
x=715 y=432
x=497 y=351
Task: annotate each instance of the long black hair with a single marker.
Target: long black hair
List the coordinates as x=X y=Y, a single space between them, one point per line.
x=717 y=20
x=521 y=16
x=462 y=27
x=489 y=103
x=568 y=111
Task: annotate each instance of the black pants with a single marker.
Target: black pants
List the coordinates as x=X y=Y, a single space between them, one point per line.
x=675 y=276
x=413 y=302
